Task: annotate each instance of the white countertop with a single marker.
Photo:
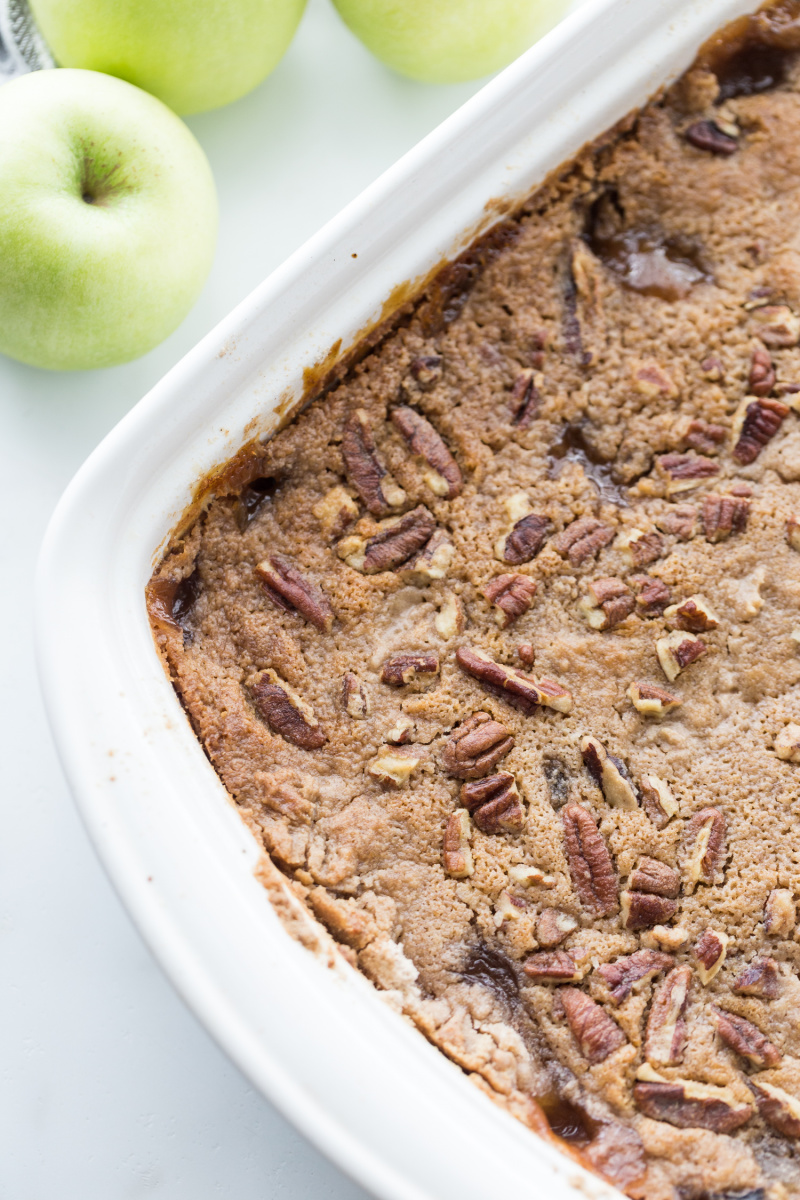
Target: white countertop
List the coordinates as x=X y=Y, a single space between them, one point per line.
x=110 y=1089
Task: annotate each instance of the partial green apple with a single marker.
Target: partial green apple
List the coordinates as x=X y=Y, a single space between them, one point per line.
x=108 y=219
x=449 y=41
x=192 y=54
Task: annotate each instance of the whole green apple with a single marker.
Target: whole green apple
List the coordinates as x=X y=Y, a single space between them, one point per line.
x=449 y=41
x=108 y=218
x=192 y=54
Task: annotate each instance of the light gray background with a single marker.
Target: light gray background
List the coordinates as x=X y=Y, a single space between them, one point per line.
x=109 y=1089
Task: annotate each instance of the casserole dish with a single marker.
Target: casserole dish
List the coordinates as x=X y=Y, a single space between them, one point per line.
x=306 y=1030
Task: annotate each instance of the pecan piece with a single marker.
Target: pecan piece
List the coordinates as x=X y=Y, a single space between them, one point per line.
x=694 y=614
x=512 y=594
x=665 y=1038
x=404 y=669
x=552 y=926
x=724 y=515
x=335 y=511
x=517 y=689
x=476 y=746
x=526 y=398
x=395 y=543
x=444 y=478
x=710 y=950
x=657 y=800
x=678 y=650
x=590 y=866
x=680 y=521
x=365 y=470
x=758 y=422
x=759 y=978
x=494 y=803
x=583 y=539
x=285 y=712
x=690 y=1105
x=651 y=380
x=355 y=697
x=639 y=549
x=746 y=1039
x=653 y=595
x=762 y=373
x=703 y=851
x=525 y=539
x=608 y=603
x=641 y=910
x=704 y=436
x=456 y=853
x=528 y=876
x=787 y=743
x=652 y=701
x=449 y=620
x=609 y=773
x=780 y=913
x=432 y=562
x=651 y=875
x=682 y=472
x=426 y=370
x=553 y=966
x=712 y=369
x=287 y=588
x=669 y=938
x=593 y=1029
x=706 y=135
x=776 y=325
x=633 y=971
x=393 y=768
x=777 y=1107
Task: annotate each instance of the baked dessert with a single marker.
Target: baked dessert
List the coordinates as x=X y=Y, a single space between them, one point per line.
x=495 y=646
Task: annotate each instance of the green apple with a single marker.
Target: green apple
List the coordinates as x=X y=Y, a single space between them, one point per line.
x=108 y=218
x=449 y=41
x=192 y=54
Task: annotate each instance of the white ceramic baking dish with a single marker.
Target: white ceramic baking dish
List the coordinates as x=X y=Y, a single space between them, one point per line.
x=363 y=1085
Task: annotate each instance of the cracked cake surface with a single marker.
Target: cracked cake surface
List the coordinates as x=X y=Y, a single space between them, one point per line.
x=496 y=646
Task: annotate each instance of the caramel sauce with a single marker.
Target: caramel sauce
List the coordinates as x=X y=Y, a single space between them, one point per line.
x=490 y=968
x=649 y=262
x=754 y=53
x=566 y=1120
x=573 y=447
x=252 y=498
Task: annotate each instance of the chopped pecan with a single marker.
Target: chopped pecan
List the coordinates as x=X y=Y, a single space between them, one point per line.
x=287 y=588
x=641 y=910
x=285 y=712
x=652 y=701
x=525 y=539
x=508 y=908
x=432 y=562
x=528 y=876
x=703 y=851
x=710 y=950
x=777 y=1107
x=657 y=800
x=396 y=542
x=476 y=746
x=633 y=971
x=365 y=470
x=404 y=669
x=776 y=325
x=694 y=614
x=426 y=370
x=517 y=689
x=608 y=603
x=401 y=731
x=704 y=436
x=456 y=853
x=762 y=373
x=335 y=511
x=609 y=773
x=512 y=595
x=552 y=926
x=526 y=653
x=590 y=866
x=494 y=803
x=793 y=532
x=553 y=966
x=449 y=620
x=639 y=549
x=582 y=302
x=355 y=697
x=724 y=516
x=651 y=380
x=665 y=1038
x=583 y=539
x=712 y=368
x=593 y=1029
x=780 y=913
x=706 y=135
x=690 y=1105
x=759 y=978
x=682 y=472
x=445 y=476
x=526 y=397
x=652 y=875
x=653 y=595
x=758 y=422
x=787 y=743
x=746 y=1039
x=670 y=938
x=393 y=768
x=680 y=521
x=678 y=650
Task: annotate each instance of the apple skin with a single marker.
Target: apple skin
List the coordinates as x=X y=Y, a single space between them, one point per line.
x=108 y=219
x=448 y=41
x=192 y=54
